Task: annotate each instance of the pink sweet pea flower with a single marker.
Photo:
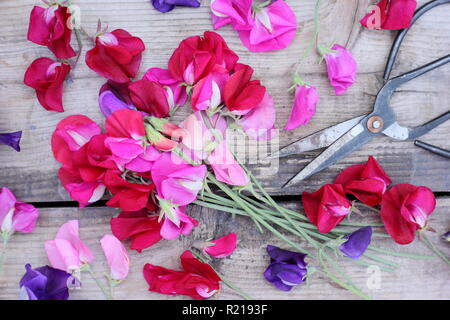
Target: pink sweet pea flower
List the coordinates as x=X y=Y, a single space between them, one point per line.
x=208 y=92
x=259 y=123
x=117 y=257
x=342 y=68
x=390 y=15
x=304 y=108
x=222 y=247
x=67 y=252
x=226 y=169
x=176 y=93
x=15 y=215
x=170 y=230
x=274 y=28
x=238 y=13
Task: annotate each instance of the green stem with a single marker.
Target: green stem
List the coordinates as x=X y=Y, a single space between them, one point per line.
x=99 y=284
x=432 y=247
x=226 y=282
x=399 y=254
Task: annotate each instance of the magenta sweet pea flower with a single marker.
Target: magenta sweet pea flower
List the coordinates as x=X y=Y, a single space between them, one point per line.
x=274 y=28
x=238 y=13
x=222 y=247
x=168 y=5
x=342 y=67
x=259 y=123
x=45 y=283
x=304 y=108
x=287 y=269
x=15 y=215
x=208 y=92
x=357 y=243
x=67 y=252
x=11 y=139
x=117 y=257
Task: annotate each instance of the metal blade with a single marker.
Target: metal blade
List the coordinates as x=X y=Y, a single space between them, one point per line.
x=317 y=140
x=349 y=142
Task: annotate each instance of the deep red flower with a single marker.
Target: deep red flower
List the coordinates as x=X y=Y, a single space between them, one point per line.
x=198 y=280
x=326 y=207
x=242 y=93
x=405 y=209
x=129 y=196
x=142 y=229
x=49 y=27
x=47 y=77
x=367 y=182
x=150 y=97
x=196 y=57
x=116 y=56
x=390 y=15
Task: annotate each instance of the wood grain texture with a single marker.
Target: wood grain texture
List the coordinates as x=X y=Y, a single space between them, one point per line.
x=416 y=279
x=32 y=174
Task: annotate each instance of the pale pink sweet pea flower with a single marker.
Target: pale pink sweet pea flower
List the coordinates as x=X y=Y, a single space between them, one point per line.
x=238 y=13
x=170 y=230
x=225 y=167
x=304 y=108
x=342 y=68
x=275 y=27
x=176 y=93
x=117 y=257
x=259 y=123
x=67 y=252
x=222 y=247
x=15 y=215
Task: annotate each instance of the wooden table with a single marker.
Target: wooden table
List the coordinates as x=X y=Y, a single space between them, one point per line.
x=32 y=173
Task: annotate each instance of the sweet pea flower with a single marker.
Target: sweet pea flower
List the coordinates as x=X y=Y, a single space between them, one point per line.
x=225 y=167
x=116 y=56
x=196 y=57
x=11 y=139
x=259 y=123
x=287 y=269
x=367 y=182
x=197 y=280
x=222 y=247
x=45 y=283
x=342 y=67
x=326 y=207
x=143 y=229
x=47 y=76
x=390 y=15
x=15 y=215
x=446 y=236
x=176 y=92
x=117 y=257
x=168 y=5
x=150 y=97
x=304 y=108
x=162 y=134
x=274 y=28
x=238 y=13
x=67 y=252
x=405 y=209
x=357 y=243
x=50 y=27
x=171 y=231
x=208 y=92
x=113 y=97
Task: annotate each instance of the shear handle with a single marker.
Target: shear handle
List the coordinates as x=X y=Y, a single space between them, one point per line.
x=401 y=35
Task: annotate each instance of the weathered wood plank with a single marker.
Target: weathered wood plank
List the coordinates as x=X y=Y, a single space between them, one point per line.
x=31 y=174
x=417 y=279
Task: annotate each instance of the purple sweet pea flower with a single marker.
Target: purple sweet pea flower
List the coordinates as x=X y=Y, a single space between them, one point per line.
x=11 y=139
x=287 y=269
x=446 y=236
x=45 y=283
x=113 y=97
x=357 y=243
x=169 y=5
